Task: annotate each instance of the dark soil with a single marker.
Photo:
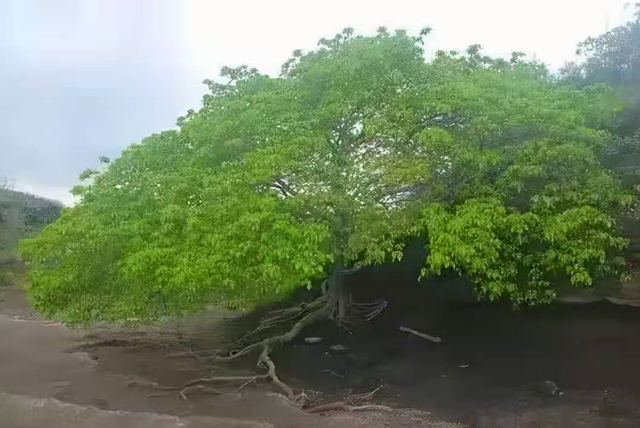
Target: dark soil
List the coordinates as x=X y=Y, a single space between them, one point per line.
x=490 y=356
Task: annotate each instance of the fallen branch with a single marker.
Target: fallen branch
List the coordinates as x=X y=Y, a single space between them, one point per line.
x=422 y=335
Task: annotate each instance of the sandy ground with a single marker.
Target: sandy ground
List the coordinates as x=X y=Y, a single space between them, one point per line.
x=50 y=378
x=53 y=376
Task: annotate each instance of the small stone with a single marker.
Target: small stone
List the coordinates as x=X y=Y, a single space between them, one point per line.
x=338 y=349
x=547 y=389
x=312 y=340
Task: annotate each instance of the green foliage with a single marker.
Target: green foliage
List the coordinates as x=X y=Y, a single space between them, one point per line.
x=613 y=58
x=22 y=215
x=357 y=147
x=508 y=253
x=86 y=174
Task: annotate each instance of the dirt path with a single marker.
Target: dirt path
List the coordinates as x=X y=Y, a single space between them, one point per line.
x=43 y=384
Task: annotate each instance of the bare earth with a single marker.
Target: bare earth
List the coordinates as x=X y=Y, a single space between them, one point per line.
x=50 y=378
x=114 y=376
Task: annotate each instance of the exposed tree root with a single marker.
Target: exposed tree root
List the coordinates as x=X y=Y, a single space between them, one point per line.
x=344 y=407
x=185 y=392
x=305 y=314
x=369 y=310
x=282 y=316
x=200 y=385
x=197 y=385
x=192 y=354
x=321 y=308
x=252 y=380
x=311 y=313
x=364 y=396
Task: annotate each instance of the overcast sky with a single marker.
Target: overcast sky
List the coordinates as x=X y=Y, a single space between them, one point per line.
x=84 y=78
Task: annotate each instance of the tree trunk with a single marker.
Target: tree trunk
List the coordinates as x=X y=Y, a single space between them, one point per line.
x=339 y=292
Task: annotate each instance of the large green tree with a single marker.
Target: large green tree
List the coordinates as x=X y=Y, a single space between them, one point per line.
x=359 y=146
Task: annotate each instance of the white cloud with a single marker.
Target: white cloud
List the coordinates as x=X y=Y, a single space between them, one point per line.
x=263 y=33
x=81 y=78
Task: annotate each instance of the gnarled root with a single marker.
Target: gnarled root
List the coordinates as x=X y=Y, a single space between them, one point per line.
x=322 y=309
x=369 y=310
x=282 y=316
x=313 y=312
x=305 y=314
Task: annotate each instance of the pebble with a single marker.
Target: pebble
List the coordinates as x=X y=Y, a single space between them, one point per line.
x=547 y=389
x=338 y=349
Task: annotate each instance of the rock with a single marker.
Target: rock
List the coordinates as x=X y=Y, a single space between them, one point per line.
x=338 y=349
x=312 y=340
x=547 y=388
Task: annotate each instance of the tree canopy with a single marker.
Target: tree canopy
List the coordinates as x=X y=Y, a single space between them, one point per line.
x=613 y=58
x=356 y=148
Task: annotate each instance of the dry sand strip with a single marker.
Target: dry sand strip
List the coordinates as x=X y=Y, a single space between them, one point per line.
x=26 y=412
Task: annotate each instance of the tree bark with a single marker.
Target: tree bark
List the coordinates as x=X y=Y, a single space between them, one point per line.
x=339 y=293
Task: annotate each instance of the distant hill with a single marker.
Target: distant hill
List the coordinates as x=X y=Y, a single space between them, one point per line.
x=21 y=215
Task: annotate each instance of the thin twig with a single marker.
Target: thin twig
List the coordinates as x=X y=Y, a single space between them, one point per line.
x=197 y=388
x=191 y=354
x=422 y=335
x=332 y=373
x=219 y=379
x=370 y=407
x=368 y=395
x=252 y=380
x=342 y=406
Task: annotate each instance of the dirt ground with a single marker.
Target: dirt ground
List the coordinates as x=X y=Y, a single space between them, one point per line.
x=51 y=376
x=116 y=376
